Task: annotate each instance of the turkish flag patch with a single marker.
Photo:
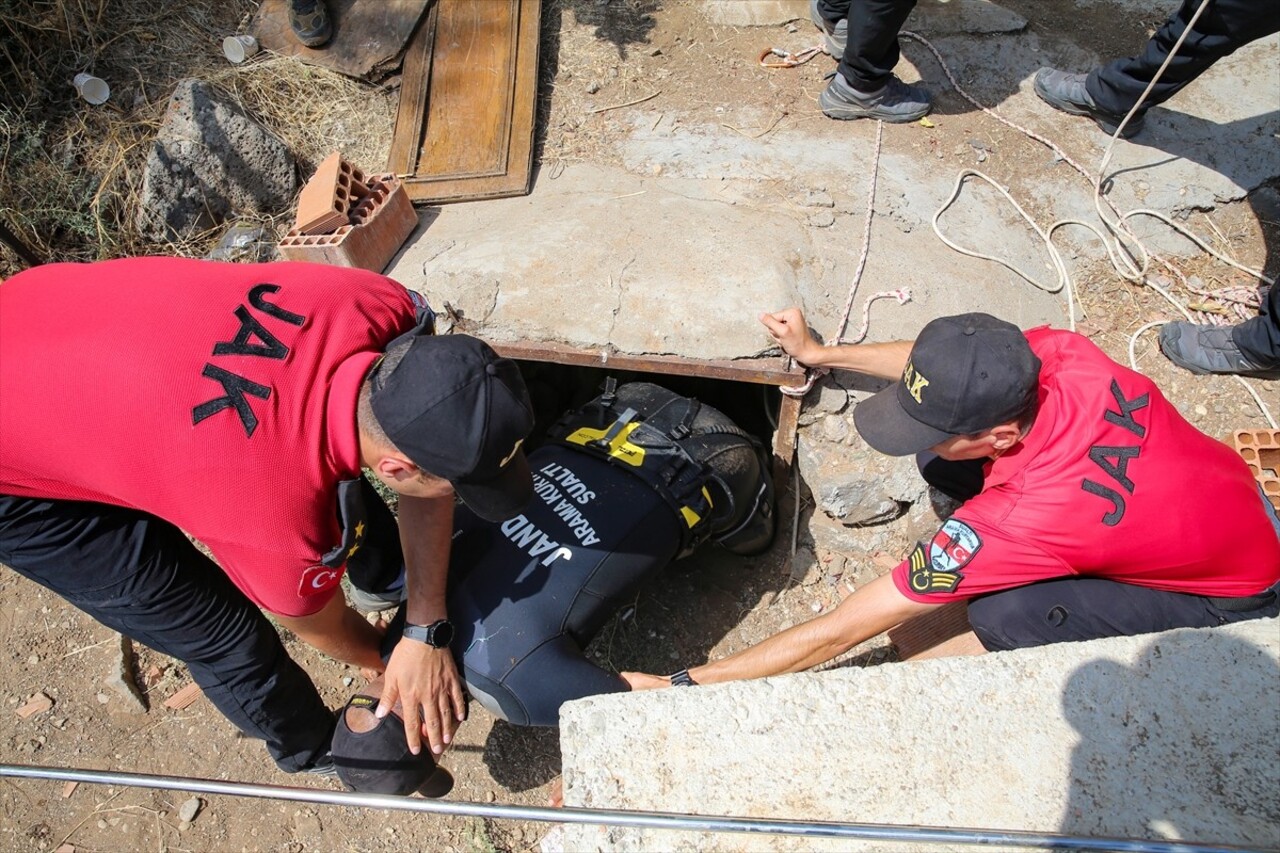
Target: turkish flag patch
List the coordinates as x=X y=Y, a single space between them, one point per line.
x=319 y=579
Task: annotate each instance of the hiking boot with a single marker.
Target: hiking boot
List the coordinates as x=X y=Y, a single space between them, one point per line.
x=1067 y=92
x=834 y=36
x=1206 y=349
x=894 y=102
x=309 y=20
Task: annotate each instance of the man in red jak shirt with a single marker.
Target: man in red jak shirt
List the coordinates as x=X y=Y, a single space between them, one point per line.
x=1091 y=508
x=150 y=399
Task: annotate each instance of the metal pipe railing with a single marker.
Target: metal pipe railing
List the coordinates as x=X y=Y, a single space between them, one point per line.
x=653 y=820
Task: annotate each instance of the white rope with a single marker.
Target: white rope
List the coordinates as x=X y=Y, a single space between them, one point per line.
x=1129 y=257
x=902 y=294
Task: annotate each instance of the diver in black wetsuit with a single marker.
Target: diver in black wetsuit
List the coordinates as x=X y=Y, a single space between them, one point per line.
x=527 y=595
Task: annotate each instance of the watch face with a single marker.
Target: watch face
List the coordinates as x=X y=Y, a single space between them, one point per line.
x=442 y=634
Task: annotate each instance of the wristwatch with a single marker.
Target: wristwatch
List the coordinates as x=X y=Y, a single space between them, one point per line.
x=683 y=679
x=439 y=634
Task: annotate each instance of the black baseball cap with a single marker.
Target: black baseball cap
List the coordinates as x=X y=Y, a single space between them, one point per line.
x=966 y=374
x=378 y=761
x=459 y=411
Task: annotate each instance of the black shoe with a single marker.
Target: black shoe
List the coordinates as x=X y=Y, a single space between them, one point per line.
x=322 y=766
x=1067 y=92
x=1204 y=349
x=309 y=20
x=834 y=36
x=895 y=101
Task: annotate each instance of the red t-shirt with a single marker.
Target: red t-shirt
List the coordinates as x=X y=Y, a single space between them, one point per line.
x=219 y=397
x=1110 y=482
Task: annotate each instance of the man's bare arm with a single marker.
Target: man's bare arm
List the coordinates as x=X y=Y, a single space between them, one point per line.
x=425 y=679
x=869 y=611
x=789 y=330
x=339 y=632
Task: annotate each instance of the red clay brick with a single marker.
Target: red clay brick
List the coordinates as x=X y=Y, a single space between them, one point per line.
x=380 y=223
x=1260 y=449
x=319 y=209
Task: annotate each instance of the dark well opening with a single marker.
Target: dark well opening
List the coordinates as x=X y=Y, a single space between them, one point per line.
x=556 y=388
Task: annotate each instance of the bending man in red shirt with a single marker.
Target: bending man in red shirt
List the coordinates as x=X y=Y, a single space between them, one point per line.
x=1091 y=507
x=148 y=398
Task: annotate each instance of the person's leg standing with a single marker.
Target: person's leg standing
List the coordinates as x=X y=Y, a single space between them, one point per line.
x=872 y=51
x=142 y=577
x=1259 y=338
x=1083 y=608
x=1225 y=26
x=865 y=85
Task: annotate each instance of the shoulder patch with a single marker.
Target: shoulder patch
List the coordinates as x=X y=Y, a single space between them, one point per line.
x=953 y=546
x=938 y=566
x=318 y=579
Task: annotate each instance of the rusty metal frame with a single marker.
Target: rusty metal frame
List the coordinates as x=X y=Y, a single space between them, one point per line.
x=776 y=370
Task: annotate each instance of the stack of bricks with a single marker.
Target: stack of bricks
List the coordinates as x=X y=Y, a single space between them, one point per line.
x=1260 y=448
x=349 y=220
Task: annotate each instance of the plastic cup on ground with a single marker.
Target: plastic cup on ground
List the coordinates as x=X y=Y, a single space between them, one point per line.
x=93 y=89
x=239 y=48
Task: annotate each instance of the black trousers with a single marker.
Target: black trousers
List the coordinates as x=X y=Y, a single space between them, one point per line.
x=1224 y=27
x=1079 y=608
x=872 y=50
x=1259 y=338
x=141 y=576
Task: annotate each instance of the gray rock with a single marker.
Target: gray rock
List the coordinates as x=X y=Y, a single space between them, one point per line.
x=210 y=161
x=828 y=397
x=120 y=677
x=855 y=485
x=189 y=809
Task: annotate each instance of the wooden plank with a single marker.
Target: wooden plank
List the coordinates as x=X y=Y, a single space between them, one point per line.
x=464 y=129
x=761 y=371
x=415 y=83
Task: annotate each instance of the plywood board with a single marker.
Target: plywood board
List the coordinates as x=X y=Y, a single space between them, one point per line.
x=369 y=40
x=464 y=128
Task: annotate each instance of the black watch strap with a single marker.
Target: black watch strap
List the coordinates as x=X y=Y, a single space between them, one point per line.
x=683 y=679
x=439 y=634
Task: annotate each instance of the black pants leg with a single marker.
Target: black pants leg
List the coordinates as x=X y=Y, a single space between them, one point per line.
x=1224 y=27
x=1082 y=608
x=872 y=50
x=140 y=576
x=1259 y=338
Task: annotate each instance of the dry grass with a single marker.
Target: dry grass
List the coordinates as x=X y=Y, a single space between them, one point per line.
x=71 y=174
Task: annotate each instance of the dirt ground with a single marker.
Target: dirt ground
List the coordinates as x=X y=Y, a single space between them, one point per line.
x=595 y=54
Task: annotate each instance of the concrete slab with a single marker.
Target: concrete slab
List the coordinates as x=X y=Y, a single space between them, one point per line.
x=702 y=225
x=1165 y=736
x=755 y=13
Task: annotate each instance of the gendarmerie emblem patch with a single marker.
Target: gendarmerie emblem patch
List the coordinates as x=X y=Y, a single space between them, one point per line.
x=923 y=578
x=953 y=547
